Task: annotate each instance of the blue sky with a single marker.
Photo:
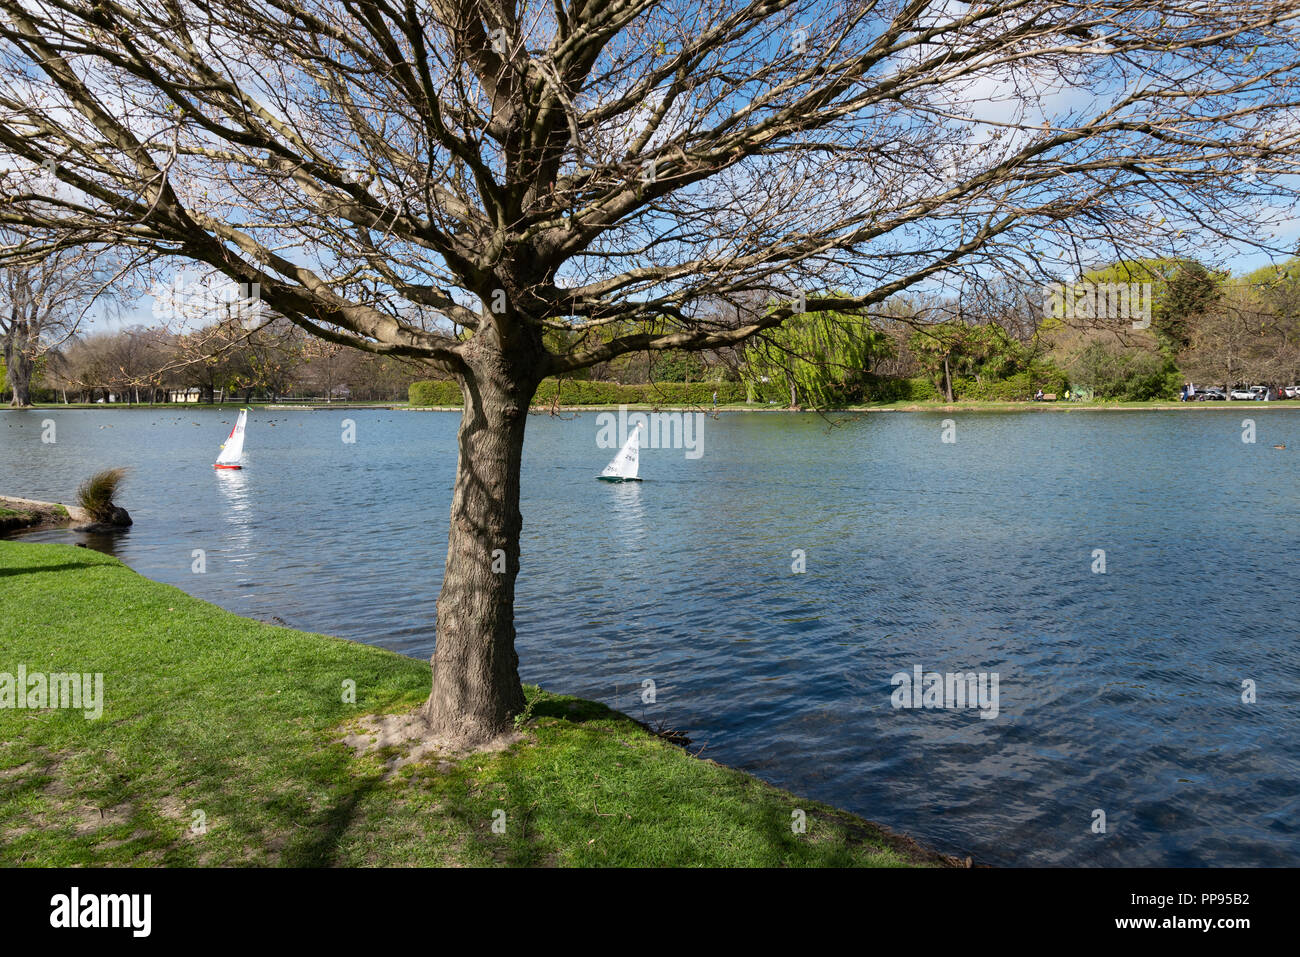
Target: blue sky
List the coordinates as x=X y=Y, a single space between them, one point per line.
x=997 y=102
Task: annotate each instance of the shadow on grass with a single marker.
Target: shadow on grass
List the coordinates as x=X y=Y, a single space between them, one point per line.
x=30 y=569
x=575 y=710
x=328 y=828
x=578 y=711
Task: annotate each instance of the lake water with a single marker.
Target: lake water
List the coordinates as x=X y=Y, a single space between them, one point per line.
x=1119 y=692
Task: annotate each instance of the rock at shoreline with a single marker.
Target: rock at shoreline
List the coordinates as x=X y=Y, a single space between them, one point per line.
x=117 y=518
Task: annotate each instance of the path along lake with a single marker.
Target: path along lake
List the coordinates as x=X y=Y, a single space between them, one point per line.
x=1119 y=691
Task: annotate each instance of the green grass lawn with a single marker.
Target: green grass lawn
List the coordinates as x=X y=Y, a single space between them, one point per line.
x=962 y=405
x=1060 y=405
x=228 y=405
x=210 y=717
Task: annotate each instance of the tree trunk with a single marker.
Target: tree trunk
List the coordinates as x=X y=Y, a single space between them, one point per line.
x=947 y=381
x=476 y=690
x=18 y=365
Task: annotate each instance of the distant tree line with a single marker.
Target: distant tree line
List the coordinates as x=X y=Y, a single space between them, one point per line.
x=1132 y=331
x=152 y=364
x=1177 y=321
x=996 y=341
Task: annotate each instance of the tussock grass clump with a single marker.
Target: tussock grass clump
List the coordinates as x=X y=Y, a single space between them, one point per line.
x=96 y=494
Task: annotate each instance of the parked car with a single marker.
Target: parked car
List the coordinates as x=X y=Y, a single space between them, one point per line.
x=1242 y=393
x=1292 y=392
x=1210 y=395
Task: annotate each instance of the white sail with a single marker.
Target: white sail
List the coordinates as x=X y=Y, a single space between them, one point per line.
x=628 y=460
x=233 y=448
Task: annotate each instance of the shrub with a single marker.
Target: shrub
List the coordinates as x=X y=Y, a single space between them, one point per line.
x=1020 y=385
x=96 y=494
x=1130 y=375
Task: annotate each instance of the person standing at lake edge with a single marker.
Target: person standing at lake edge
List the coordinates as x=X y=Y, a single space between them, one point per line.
x=715 y=398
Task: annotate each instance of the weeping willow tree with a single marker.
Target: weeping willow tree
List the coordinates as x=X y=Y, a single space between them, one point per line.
x=817 y=358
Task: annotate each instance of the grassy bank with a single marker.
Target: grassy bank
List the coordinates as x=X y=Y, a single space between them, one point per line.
x=936 y=406
x=224 y=406
x=16 y=513
x=1062 y=406
x=213 y=718
x=973 y=405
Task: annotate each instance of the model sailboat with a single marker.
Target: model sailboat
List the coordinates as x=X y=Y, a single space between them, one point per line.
x=232 y=450
x=628 y=461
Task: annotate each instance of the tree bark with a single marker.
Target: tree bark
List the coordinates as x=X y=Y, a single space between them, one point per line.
x=18 y=365
x=476 y=689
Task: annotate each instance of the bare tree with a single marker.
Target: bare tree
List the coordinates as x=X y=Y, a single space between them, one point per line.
x=449 y=180
x=1243 y=339
x=44 y=296
x=89 y=364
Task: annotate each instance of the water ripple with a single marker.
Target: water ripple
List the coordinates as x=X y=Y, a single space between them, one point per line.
x=1119 y=692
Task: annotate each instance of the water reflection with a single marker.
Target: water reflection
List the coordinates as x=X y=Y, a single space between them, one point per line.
x=627 y=513
x=233 y=485
x=115 y=543
x=234 y=489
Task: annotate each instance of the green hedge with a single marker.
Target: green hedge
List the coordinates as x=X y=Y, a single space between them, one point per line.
x=885 y=389
x=573 y=392
x=434 y=393
x=689 y=393
x=867 y=388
